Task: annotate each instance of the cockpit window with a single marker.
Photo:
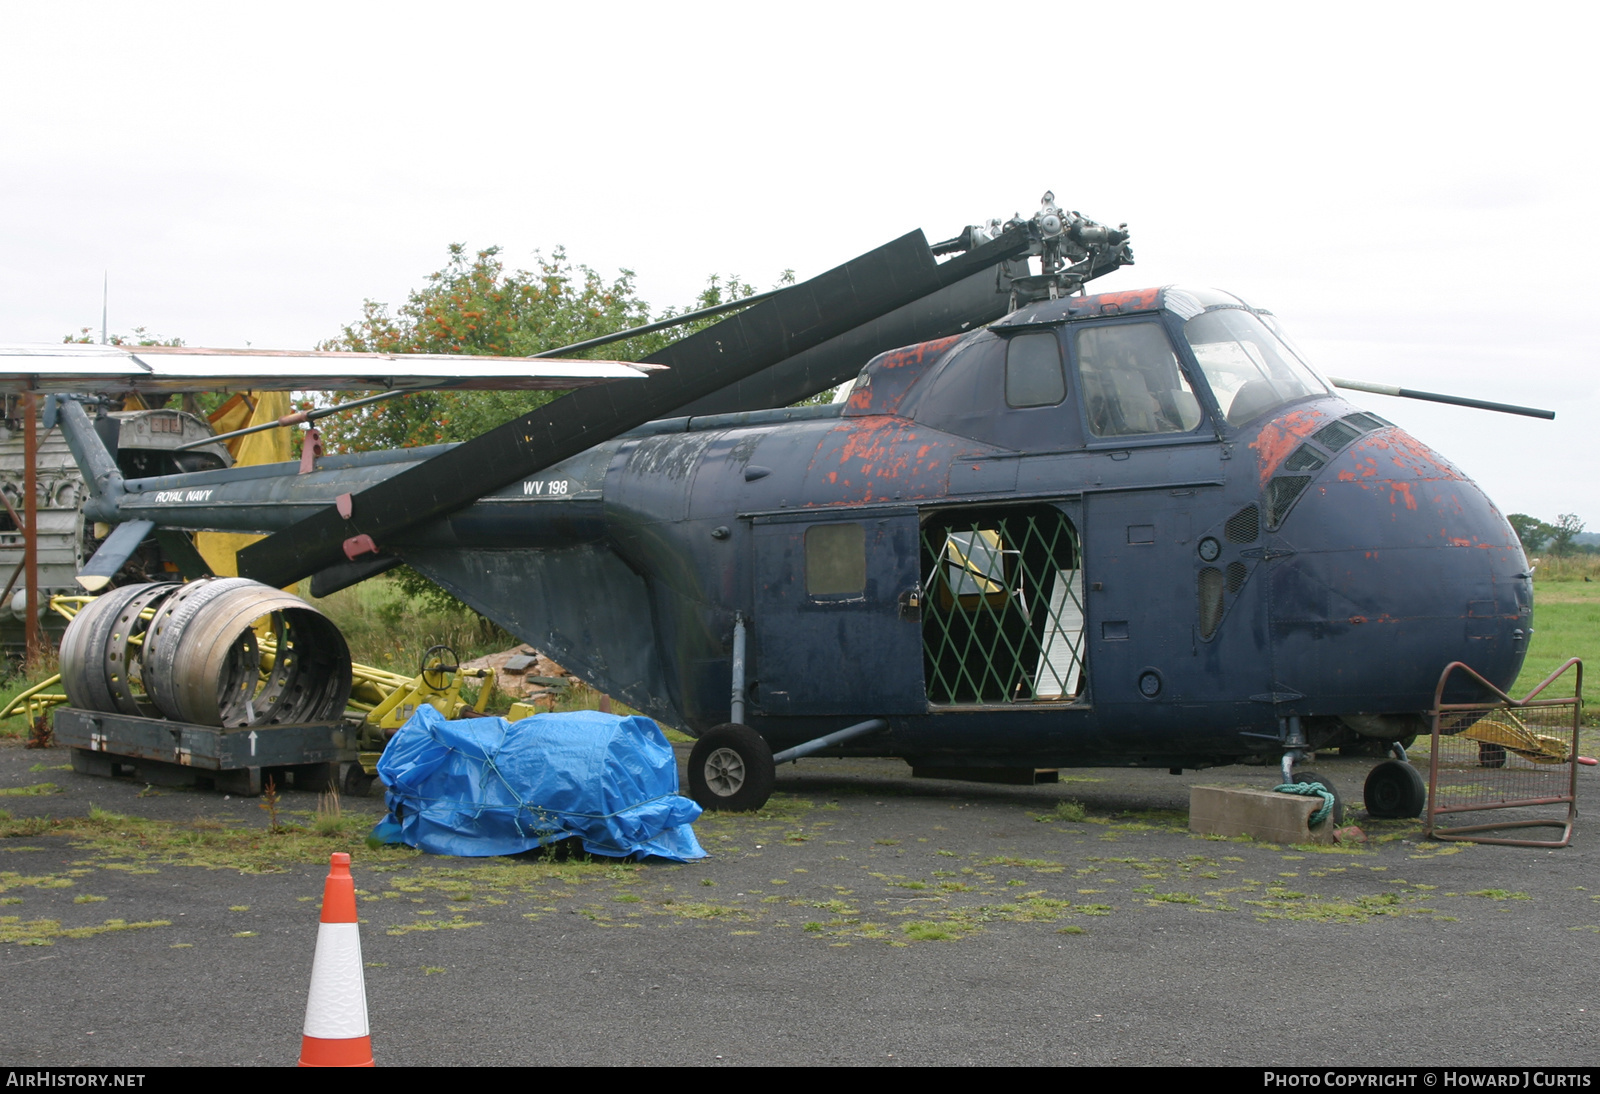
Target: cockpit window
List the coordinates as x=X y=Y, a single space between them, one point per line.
x=1250 y=369
x=1132 y=384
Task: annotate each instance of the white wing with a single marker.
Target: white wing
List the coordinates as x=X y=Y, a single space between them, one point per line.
x=71 y=366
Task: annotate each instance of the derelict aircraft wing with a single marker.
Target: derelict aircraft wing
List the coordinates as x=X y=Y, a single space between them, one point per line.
x=159 y=370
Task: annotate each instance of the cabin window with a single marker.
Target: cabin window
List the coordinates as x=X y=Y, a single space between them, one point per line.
x=1132 y=385
x=1034 y=376
x=1002 y=614
x=836 y=560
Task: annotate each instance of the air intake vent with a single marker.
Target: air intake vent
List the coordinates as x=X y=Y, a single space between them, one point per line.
x=1365 y=422
x=1335 y=435
x=1210 y=601
x=1281 y=494
x=1244 y=526
x=1237 y=572
x=1304 y=458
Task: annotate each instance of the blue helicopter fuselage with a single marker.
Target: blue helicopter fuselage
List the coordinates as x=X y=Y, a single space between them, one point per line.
x=1120 y=529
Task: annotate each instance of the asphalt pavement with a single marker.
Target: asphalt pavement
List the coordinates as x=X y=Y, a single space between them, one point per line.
x=863 y=918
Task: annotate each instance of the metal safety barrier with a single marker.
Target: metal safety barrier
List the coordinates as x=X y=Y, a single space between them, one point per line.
x=1502 y=764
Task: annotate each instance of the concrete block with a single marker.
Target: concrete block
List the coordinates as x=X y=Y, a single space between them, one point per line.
x=1259 y=814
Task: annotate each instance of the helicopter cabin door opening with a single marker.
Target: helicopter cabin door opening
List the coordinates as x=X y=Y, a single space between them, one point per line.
x=836 y=621
x=1002 y=611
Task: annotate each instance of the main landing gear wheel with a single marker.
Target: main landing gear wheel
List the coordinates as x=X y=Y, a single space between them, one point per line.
x=731 y=768
x=1395 y=790
x=1338 y=802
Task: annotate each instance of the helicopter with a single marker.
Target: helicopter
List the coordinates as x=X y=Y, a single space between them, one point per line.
x=1043 y=529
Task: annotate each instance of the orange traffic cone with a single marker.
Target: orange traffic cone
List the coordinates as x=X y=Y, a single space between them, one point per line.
x=336 y=1031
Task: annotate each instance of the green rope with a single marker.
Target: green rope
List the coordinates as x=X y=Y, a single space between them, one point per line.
x=1309 y=789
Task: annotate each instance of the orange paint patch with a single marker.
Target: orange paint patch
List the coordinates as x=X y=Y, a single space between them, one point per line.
x=1281 y=436
x=1404 y=490
x=1131 y=300
x=914 y=355
x=881 y=449
x=1405 y=451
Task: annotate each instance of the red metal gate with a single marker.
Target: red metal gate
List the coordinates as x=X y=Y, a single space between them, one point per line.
x=1502 y=763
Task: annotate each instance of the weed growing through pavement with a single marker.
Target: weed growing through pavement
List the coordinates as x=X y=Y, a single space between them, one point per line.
x=270 y=800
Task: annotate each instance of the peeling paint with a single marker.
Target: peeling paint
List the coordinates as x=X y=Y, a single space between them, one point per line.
x=889 y=376
x=1115 y=303
x=1405 y=451
x=1281 y=436
x=875 y=459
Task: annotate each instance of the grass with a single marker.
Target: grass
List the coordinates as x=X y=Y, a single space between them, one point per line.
x=1566 y=622
x=201 y=843
x=389 y=630
x=20 y=680
x=44 y=932
x=1570 y=568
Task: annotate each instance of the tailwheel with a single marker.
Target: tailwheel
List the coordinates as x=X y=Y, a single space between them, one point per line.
x=1338 y=802
x=731 y=768
x=1394 y=789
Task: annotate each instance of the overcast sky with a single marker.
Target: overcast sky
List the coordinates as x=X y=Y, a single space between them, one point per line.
x=1410 y=187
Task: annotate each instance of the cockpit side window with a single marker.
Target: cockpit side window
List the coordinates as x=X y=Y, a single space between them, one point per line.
x=1132 y=385
x=1250 y=370
x=1033 y=370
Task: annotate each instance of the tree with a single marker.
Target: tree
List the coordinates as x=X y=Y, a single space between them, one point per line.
x=194 y=402
x=474 y=305
x=139 y=337
x=1532 y=531
x=1566 y=529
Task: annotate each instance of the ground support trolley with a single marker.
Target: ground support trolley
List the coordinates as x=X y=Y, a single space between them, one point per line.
x=236 y=761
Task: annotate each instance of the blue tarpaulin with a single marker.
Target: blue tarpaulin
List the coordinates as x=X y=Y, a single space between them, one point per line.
x=485 y=786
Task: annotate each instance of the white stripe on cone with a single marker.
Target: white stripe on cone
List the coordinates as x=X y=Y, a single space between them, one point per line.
x=337 y=1005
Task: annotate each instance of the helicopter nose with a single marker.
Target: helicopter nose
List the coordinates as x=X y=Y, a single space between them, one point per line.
x=1392 y=564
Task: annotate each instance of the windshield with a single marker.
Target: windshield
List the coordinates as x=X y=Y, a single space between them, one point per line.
x=1250 y=369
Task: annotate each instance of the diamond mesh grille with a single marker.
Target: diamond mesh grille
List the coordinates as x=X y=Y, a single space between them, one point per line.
x=1003 y=607
x=1304 y=459
x=1281 y=494
x=1210 y=601
x=1237 y=572
x=1335 y=435
x=1364 y=421
x=1244 y=526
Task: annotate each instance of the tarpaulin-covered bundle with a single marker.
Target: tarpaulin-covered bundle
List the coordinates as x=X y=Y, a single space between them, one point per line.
x=485 y=786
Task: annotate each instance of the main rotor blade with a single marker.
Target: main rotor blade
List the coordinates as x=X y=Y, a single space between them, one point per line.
x=1435 y=397
x=965 y=305
x=788 y=323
